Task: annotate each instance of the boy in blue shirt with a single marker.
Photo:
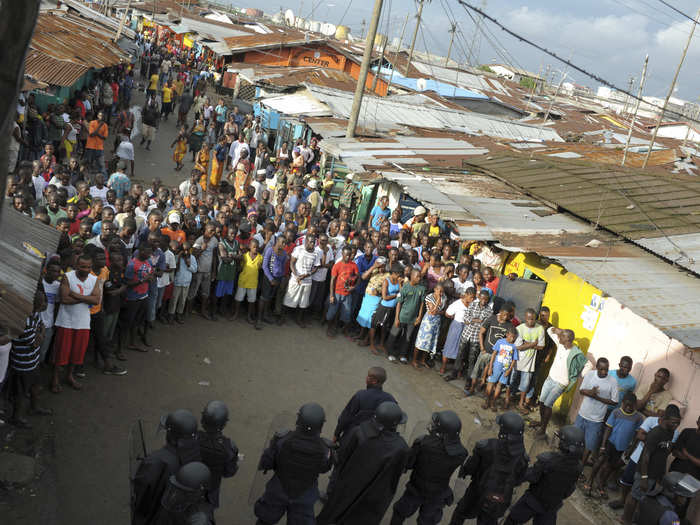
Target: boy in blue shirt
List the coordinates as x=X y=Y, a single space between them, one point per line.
x=503 y=359
x=620 y=429
x=625 y=382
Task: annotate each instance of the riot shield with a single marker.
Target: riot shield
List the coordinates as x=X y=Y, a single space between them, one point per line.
x=281 y=422
x=143 y=440
x=474 y=428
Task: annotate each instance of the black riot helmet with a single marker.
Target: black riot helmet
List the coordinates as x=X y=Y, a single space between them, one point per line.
x=180 y=424
x=186 y=487
x=510 y=424
x=677 y=484
x=214 y=416
x=389 y=415
x=571 y=440
x=446 y=423
x=310 y=418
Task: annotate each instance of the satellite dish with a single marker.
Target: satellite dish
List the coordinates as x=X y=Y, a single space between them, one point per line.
x=421 y=84
x=289 y=17
x=328 y=29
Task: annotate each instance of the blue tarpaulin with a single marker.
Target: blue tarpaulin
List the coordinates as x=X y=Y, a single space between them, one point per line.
x=441 y=88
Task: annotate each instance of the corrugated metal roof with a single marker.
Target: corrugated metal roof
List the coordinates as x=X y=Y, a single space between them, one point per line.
x=632 y=203
x=92 y=14
x=685 y=249
x=297 y=104
x=286 y=77
x=206 y=28
x=386 y=114
x=52 y=71
x=23 y=240
x=62 y=50
x=279 y=38
x=666 y=297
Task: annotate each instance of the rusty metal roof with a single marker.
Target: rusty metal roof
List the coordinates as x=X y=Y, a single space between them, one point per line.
x=23 y=244
x=278 y=38
x=634 y=204
x=62 y=50
x=293 y=77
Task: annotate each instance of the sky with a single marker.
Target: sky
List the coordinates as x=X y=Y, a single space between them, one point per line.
x=607 y=37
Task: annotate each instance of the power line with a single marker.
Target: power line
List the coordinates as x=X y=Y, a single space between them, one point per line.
x=678 y=11
x=570 y=64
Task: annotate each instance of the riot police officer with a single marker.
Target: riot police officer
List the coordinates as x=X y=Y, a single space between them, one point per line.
x=433 y=458
x=370 y=463
x=218 y=452
x=552 y=479
x=297 y=458
x=184 y=500
x=181 y=447
x=661 y=505
x=496 y=467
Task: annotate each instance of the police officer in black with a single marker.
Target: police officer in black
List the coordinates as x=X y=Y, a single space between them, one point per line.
x=496 y=467
x=218 y=452
x=184 y=500
x=433 y=458
x=662 y=504
x=152 y=475
x=363 y=404
x=552 y=479
x=297 y=458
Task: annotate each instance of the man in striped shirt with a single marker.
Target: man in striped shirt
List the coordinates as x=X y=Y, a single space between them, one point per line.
x=24 y=365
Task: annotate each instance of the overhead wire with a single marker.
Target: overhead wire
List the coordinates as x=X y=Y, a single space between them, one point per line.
x=678 y=11
x=569 y=63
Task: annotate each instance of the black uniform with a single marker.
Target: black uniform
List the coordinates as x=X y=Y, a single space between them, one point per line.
x=152 y=477
x=653 y=508
x=220 y=454
x=496 y=467
x=552 y=479
x=429 y=486
x=297 y=459
x=361 y=407
x=370 y=463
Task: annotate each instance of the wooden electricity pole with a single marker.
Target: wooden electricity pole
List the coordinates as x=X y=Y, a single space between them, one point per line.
x=453 y=30
x=364 y=68
x=415 y=33
x=670 y=91
x=636 y=108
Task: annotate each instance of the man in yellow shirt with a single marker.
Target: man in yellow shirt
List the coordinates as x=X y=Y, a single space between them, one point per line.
x=167 y=100
x=152 y=85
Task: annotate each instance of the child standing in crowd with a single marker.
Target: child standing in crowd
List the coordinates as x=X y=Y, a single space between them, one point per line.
x=180 y=144
x=503 y=359
x=248 y=282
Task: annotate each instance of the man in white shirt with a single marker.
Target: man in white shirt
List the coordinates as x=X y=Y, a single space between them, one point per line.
x=568 y=363
x=326 y=258
x=234 y=152
x=125 y=151
x=530 y=341
x=99 y=189
x=305 y=261
x=193 y=181
x=599 y=391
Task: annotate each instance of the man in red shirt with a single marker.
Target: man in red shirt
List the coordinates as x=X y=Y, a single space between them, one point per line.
x=343 y=281
x=491 y=280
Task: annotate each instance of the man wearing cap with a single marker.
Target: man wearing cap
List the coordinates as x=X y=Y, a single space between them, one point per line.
x=173 y=230
x=350 y=194
x=259 y=184
x=413 y=224
x=313 y=197
x=119 y=181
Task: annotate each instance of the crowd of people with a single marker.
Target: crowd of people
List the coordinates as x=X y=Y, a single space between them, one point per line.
x=266 y=235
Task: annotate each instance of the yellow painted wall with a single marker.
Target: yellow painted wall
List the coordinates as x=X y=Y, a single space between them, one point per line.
x=567 y=297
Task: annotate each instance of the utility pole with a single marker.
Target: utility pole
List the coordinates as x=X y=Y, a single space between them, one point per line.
x=396 y=53
x=453 y=30
x=122 y=22
x=415 y=33
x=360 y=88
x=636 y=108
x=381 y=62
x=364 y=23
x=630 y=86
x=670 y=91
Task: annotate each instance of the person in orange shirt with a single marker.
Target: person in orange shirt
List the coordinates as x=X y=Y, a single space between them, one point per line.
x=173 y=230
x=98 y=131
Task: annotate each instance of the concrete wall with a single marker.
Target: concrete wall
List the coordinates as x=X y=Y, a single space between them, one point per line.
x=620 y=331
